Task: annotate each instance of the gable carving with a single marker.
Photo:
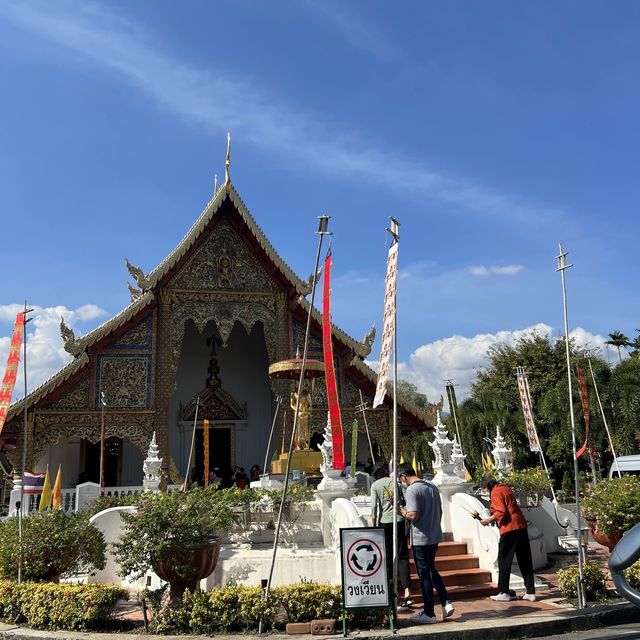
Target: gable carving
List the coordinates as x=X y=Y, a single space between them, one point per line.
x=223 y=262
x=76 y=398
x=139 y=337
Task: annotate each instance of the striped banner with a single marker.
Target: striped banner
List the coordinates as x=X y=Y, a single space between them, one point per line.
x=388 y=325
x=11 y=372
x=335 y=416
x=525 y=400
x=585 y=409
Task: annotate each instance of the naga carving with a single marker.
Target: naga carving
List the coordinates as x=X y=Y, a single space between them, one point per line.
x=69 y=338
x=133 y=292
x=142 y=280
x=364 y=348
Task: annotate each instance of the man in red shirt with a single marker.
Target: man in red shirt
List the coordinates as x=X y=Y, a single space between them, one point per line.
x=514 y=539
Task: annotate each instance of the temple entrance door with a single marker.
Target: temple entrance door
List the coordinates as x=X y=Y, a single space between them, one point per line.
x=221 y=454
x=112 y=462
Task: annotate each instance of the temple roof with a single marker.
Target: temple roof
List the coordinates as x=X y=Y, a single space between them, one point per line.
x=226 y=191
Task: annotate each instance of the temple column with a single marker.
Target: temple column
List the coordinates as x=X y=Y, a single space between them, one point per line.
x=164 y=375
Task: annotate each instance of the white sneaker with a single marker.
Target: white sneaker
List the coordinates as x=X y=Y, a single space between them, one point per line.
x=421 y=618
x=448 y=609
x=531 y=597
x=502 y=597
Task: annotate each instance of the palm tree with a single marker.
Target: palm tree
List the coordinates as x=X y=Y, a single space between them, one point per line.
x=618 y=339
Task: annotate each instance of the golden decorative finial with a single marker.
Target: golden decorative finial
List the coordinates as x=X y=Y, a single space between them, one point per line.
x=227 y=164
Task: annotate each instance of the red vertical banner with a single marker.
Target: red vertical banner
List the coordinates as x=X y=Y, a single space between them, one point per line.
x=205 y=442
x=329 y=371
x=11 y=372
x=585 y=409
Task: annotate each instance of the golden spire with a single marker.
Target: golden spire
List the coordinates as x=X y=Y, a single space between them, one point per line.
x=227 y=164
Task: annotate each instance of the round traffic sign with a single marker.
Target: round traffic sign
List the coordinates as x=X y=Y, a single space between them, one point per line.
x=364 y=558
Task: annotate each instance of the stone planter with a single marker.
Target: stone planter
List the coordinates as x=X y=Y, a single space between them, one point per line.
x=609 y=540
x=196 y=563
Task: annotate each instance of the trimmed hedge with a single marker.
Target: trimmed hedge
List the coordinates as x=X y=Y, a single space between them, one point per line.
x=59 y=606
x=237 y=608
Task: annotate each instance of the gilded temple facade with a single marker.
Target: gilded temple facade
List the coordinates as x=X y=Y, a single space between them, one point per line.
x=205 y=324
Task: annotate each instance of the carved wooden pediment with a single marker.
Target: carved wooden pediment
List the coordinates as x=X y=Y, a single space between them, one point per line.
x=215 y=404
x=223 y=262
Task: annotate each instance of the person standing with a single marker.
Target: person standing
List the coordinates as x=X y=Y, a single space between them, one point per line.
x=514 y=539
x=424 y=510
x=384 y=515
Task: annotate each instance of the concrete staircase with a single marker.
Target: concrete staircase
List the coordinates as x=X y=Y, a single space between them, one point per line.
x=460 y=572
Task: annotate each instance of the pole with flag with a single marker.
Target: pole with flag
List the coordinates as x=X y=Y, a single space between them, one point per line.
x=562 y=267
x=103 y=439
x=45 y=496
x=56 y=496
x=323 y=230
x=389 y=344
x=22 y=319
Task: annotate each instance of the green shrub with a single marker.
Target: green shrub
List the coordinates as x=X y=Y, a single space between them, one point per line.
x=594 y=581
x=54 y=543
x=238 y=608
x=613 y=504
x=59 y=606
x=632 y=574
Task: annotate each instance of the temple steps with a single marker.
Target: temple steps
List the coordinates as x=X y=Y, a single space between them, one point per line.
x=460 y=573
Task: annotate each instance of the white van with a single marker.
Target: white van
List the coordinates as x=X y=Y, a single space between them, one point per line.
x=628 y=465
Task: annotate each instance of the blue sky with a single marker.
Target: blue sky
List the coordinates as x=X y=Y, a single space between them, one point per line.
x=491 y=130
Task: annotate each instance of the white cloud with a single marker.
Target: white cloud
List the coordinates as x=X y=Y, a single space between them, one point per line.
x=45 y=349
x=507 y=270
x=458 y=358
x=208 y=98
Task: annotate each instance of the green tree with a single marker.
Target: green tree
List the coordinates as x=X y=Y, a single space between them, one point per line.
x=618 y=339
x=494 y=400
x=624 y=399
x=409 y=391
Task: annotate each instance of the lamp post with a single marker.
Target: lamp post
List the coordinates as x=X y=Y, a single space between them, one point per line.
x=103 y=439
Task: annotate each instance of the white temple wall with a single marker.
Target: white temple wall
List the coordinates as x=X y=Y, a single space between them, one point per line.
x=244 y=373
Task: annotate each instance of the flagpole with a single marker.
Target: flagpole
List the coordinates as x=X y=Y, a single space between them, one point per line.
x=273 y=427
x=24 y=437
x=562 y=267
x=323 y=230
x=362 y=409
x=604 y=419
x=193 y=442
x=394 y=231
x=103 y=440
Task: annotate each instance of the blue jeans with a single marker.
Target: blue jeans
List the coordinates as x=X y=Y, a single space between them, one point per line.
x=425 y=559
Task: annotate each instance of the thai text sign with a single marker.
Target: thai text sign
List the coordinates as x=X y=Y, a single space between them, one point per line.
x=11 y=372
x=364 y=568
x=388 y=325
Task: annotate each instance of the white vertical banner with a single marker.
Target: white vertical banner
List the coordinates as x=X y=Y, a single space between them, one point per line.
x=525 y=399
x=387 y=325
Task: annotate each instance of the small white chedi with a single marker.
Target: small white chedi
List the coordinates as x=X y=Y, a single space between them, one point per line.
x=151 y=467
x=501 y=454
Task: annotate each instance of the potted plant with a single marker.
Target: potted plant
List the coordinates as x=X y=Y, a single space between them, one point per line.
x=177 y=535
x=611 y=508
x=53 y=543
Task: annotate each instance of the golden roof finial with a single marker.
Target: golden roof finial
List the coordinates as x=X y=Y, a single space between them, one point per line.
x=227 y=164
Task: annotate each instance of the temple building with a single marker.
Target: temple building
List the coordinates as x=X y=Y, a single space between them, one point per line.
x=202 y=329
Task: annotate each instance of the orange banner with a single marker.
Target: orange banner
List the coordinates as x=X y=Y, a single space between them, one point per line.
x=11 y=372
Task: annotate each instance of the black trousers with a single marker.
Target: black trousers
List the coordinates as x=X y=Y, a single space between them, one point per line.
x=403 y=555
x=515 y=542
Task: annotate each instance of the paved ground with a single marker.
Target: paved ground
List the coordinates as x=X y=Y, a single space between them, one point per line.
x=622 y=632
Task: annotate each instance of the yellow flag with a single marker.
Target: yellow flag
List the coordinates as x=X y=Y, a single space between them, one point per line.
x=414 y=464
x=401 y=458
x=45 y=498
x=467 y=475
x=56 y=498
